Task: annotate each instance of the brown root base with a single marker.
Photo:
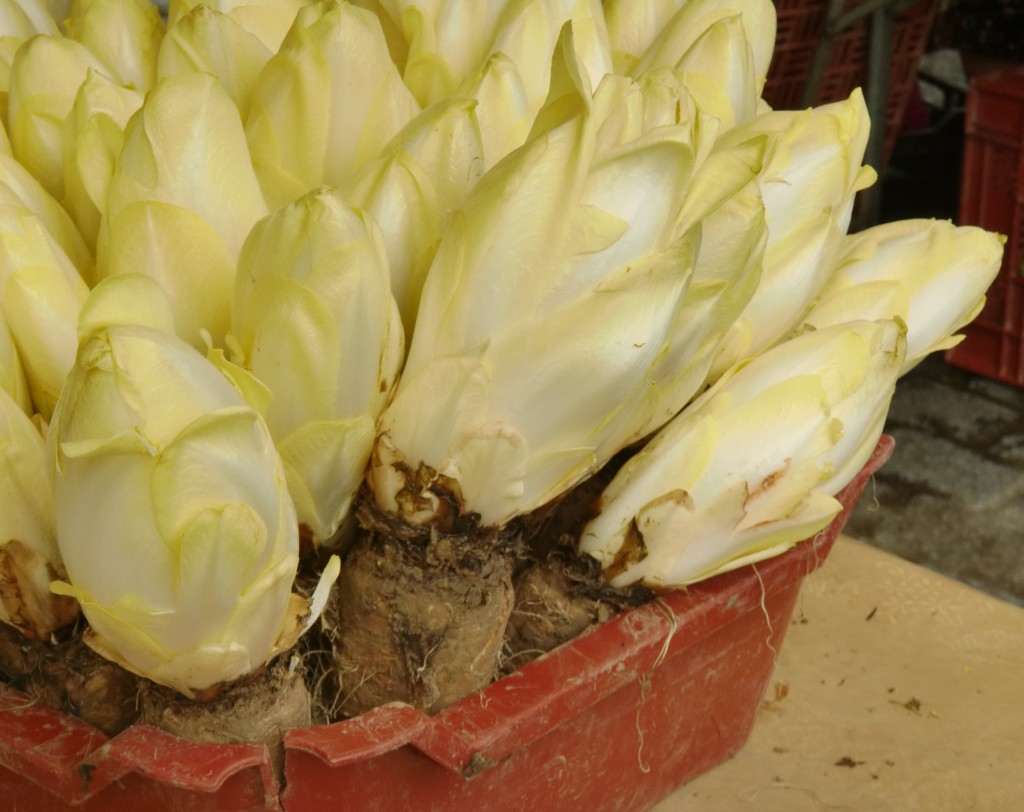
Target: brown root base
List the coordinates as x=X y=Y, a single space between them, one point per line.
x=418 y=617
x=71 y=677
x=557 y=599
x=259 y=710
x=559 y=594
x=34 y=615
x=315 y=651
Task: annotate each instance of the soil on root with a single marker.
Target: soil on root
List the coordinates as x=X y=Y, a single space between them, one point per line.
x=559 y=594
x=559 y=598
x=418 y=616
x=258 y=709
x=69 y=676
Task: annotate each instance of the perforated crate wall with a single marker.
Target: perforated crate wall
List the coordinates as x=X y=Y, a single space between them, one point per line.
x=992 y=196
x=800 y=24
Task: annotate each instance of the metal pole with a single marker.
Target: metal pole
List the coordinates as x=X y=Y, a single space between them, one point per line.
x=877 y=98
x=821 y=53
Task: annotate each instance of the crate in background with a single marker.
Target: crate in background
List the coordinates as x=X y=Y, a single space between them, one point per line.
x=800 y=24
x=992 y=196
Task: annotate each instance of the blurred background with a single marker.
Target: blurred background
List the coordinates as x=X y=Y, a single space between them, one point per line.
x=944 y=80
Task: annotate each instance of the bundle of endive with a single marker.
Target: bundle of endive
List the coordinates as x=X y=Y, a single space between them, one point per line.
x=396 y=279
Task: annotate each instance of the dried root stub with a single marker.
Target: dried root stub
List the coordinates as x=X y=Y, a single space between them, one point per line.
x=419 y=616
x=71 y=677
x=259 y=709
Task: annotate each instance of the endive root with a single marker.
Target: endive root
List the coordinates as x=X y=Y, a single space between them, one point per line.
x=558 y=598
x=71 y=677
x=549 y=610
x=419 y=616
x=560 y=594
x=258 y=709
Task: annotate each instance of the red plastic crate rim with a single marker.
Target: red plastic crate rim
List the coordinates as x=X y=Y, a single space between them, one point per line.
x=564 y=731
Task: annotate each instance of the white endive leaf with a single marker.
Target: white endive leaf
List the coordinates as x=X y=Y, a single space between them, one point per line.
x=123 y=34
x=182 y=199
x=40 y=294
x=721 y=47
x=810 y=176
x=909 y=270
x=183 y=254
x=315 y=322
x=325 y=104
x=633 y=26
x=726 y=272
x=45 y=76
x=18 y=187
x=207 y=41
x=720 y=72
x=752 y=466
x=129 y=298
x=324 y=464
x=21 y=19
x=93 y=138
x=449 y=41
x=503 y=109
x=422 y=175
x=12 y=374
x=689 y=22
x=268 y=20
x=178 y=535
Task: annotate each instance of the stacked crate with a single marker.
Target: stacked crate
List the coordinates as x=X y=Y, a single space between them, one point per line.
x=992 y=196
x=800 y=26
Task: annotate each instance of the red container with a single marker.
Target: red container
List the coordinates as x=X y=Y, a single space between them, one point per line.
x=992 y=196
x=613 y=720
x=800 y=26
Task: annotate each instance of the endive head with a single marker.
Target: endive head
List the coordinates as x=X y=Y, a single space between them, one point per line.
x=326 y=103
x=173 y=518
x=564 y=260
x=93 y=137
x=29 y=559
x=45 y=76
x=929 y=273
x=181 y=201
x=752 y=466
x=315 y=322
x=208 y=41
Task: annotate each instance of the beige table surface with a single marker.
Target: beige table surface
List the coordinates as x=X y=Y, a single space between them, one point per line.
x=895 y=689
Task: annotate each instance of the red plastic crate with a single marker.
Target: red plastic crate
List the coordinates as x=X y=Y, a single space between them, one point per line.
x=614 y=720
x=992 y=196
x=800 y=25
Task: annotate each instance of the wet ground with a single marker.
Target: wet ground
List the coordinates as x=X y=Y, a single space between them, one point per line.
x=952 y=496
